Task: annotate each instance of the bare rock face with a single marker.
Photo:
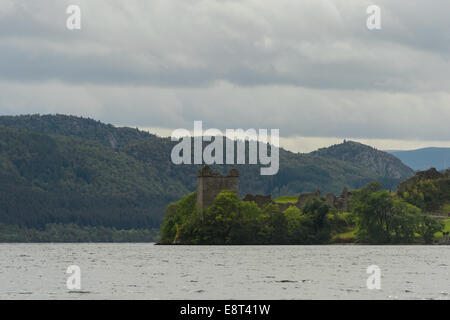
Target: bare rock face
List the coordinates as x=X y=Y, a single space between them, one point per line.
x=380 y=162
x=112 y=141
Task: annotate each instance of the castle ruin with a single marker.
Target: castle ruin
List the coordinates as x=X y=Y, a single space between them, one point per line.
x=211 y=183
x=260 y=200
x=341 y=202
x=304 y=197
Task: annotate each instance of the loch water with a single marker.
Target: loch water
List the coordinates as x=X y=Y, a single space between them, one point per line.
x=148 y=271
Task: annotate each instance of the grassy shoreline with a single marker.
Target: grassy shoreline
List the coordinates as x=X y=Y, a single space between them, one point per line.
x=71 y=233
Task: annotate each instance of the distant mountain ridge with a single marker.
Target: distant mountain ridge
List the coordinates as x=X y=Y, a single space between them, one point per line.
x=425 y=158
x=85 y=128
x=382 y=163
x=67 y=169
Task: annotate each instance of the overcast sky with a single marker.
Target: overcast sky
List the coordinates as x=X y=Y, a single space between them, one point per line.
x=308 y=67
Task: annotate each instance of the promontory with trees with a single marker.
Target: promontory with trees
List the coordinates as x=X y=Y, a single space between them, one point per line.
x=72 y=179
x=416 y=214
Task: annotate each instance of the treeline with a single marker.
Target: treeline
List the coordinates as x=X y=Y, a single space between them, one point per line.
x=58 y=169
x=74 y=233
x=72 y=126
x=430 y=195
x=233 y=221
x=48 y=179
x=378 y=217
x=384 y=218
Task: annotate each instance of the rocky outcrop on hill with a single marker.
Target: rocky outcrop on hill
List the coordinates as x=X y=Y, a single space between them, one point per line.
x=380 y=162
x=430 y=174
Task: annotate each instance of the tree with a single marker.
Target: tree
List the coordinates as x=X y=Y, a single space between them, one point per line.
x=177 y=215
x=246 y=224
x=276 y=224
x=218 y=219
x=296 y=227
x=374 y=217
x=316 y=212
x=383 y=218
x=362 y=194
x=404 y=222
x=428 y=227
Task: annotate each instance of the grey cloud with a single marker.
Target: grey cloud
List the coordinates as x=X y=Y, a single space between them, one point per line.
x=295 y=111
x=316 y=44
x=309 y=68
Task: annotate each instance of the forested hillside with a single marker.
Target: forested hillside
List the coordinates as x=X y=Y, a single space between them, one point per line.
x=46 y=179
x=85 y=128
x=428 y=190
x=66 y=169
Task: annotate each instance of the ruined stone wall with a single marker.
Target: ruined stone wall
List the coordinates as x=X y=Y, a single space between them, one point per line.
x=284 y=206
x=341 y=202
x=211 y=183
x=330 y=198
x=304 y=197
x=260 y=200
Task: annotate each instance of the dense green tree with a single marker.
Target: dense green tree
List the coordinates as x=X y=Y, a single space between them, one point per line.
x=230 y=220
x=383 y=218
x=429 y=195
x=374 y=217
x=276 y=226
x=428 y=227
x=317 y=212
x=246 y=225
x=218 y=219
x=297 y=227
x=177 y=214
x=362 y=194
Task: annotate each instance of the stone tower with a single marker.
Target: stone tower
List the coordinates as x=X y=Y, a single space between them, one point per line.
x=211 y=183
